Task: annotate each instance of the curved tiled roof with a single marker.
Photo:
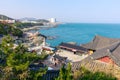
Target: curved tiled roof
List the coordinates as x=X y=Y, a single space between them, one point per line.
x=59 y=57
x=104 y=47
x=100 y=42
x=51 y=75
x=76 y=47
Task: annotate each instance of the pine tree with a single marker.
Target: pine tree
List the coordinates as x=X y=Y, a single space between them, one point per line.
x=65 y=73
x=69 y=72
x=17 y=61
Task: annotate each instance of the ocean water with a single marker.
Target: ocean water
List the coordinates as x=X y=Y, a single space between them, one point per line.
x=80 y=32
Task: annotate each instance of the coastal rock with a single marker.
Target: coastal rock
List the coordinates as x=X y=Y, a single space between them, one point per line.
x=51 y=37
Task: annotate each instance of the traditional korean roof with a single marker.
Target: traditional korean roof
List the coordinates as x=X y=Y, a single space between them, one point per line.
x=59 y=57
x=113 y=53
x=100 y=42
x=36 y=66
x=51 y=75
x=116 y=55
x=71 y=46
x=110 y=48
x=107 y=51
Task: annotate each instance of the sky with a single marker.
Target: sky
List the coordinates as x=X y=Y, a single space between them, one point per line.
x=83 y=11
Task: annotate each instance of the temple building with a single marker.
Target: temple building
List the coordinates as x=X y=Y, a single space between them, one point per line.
x=100 y=42
x=59 y=60
x=106 y=51
x=73 y=48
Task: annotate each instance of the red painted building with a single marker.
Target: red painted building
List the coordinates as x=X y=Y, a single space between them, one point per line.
x=106 y=59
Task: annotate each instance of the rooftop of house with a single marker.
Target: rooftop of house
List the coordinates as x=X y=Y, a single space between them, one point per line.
x=111 y=52
x=72 y=46
x=59 y=57
x=105 y=47
x=37 y=65
x=100 y=42
x=51 y=74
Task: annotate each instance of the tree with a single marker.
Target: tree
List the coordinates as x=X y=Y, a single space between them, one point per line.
x=6 y=29
x=37 y=75
x=69 y=72
x=17 y=61
x=65 y=73
x=85 y=74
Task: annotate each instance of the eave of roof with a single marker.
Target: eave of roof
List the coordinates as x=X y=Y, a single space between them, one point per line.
x=112 y=52
x=71 y=46
x=100 y=42
x=59 y=57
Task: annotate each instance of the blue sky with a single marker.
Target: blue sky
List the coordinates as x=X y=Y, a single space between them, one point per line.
x=88 y=11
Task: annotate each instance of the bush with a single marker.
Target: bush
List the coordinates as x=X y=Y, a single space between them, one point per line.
x=6 y=29
x=85 y=74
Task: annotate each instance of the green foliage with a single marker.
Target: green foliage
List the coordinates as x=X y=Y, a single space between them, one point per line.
x=10 y=29
x=43 y=55
x=17 y=62
x=26 y=25
x=37 y=75
x=65 y=73
x=17 y=32
x=6 y=45
x=69 y=72
x=85 y=74
x=82 y=74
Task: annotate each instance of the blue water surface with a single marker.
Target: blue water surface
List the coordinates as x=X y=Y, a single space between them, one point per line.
x=80 y=32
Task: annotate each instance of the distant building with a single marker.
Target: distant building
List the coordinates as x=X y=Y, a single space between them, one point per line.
x=59 y=60
x=52 y=20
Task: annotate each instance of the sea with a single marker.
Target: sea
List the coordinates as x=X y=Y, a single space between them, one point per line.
x=80 y=33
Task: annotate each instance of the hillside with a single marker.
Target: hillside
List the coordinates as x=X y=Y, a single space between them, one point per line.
x=34 y=19
x=3 y=17
x=27 y=18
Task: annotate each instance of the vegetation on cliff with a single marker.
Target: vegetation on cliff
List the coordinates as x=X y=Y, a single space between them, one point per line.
x=26 y=25
x=15 y=62
x=6 y=29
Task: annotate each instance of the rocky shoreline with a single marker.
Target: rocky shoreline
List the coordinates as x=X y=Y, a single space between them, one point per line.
x=49 y=25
